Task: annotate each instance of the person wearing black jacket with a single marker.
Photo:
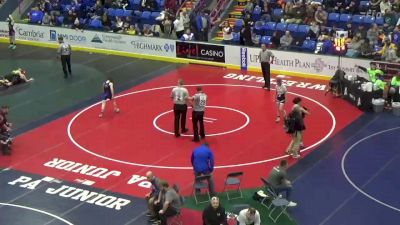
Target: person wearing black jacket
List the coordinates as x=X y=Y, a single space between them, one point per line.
x=214 y=214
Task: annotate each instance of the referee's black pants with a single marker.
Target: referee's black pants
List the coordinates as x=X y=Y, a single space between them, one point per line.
x=265 y=67
x=180 y=114
x=198 y=120
x=66 y=61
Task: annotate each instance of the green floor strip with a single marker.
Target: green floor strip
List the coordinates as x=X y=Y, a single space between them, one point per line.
x=247 y=199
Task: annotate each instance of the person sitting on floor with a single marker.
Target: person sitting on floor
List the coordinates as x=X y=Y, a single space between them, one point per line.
x=169 y=203
x=249 y=216
x=214 y=214
x=17 y=76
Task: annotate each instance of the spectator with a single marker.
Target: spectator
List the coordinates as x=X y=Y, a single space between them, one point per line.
x=280 y=182
x=118 y=26
x=246 y=34
x=387 y=44
x=375 y=5
x=385 y=6
x=249 y=7
x=298 y=13
x=167 y=25
x=366 y=49
x=361 y=30
x=69 y=19
x=170 y=202
x=313 y=33
x=391 y=54
x=249 y=216
x=152 y=196
x=353 y=48
x=185 y=18
x=275 y=40
x=106 y=22
x=352 y=7
x=310 y=12
x=46 y=19
x=333 y=31
x=149 y=5
x=147 y=32
x=286 y=40
x=373 y=33
x=203 y=24
x=226 y=33
x=214 y=214
x=77 y=25
x=349 y=29
x=321 y=16
x=178 y=25
x=203 y=164
x=188 y=36
x=131 y=30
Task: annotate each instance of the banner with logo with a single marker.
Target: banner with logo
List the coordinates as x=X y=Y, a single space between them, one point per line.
x=93 y=39
x=199 y=51
x=297 y=62
x=243 y=58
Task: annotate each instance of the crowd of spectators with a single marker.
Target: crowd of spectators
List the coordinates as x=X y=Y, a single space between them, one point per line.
x=167 y=19
x=377 y=39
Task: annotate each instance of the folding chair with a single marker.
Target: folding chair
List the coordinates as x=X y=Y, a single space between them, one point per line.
x=201 y=183
x=276 y=202
x=233 y=179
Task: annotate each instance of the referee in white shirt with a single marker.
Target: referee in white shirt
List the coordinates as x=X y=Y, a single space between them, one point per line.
x=266 y=58
x=65 y=52
x=180 y=96
x=199 y=106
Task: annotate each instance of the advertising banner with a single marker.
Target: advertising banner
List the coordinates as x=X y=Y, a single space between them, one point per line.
x=243 y=58
x=190 y=50
x=297 y=62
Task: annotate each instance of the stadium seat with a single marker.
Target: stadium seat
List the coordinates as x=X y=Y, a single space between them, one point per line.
x=136 y=4
x=319 y=1
x=308 y=46
x=277 y=15
x=333 y=18
x=281 y=27
x=145 y=17
x=65 y=8
x=96 y=24
x=358 y=19
x=60 y=20
x=153 y=17
x=136 y=16
x=127 y=13
x=36 y=16
x=265 y=40
x=344 y=19
x=364 y=7
x=302 y=31
x=236 y=37
x=379 y=21
x=111 y=12
x=259 y=28
x=119 y=12
x=292 y=27
x=368 y=21
x=238 y=25
x=256 y=15
x=270 y=27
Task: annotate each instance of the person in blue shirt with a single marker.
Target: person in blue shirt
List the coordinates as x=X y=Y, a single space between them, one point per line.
x=203 y=164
